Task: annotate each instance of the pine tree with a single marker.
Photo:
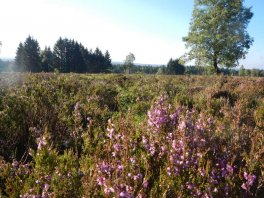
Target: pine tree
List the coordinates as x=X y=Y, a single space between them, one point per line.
x=217 y=35
x=19 y=59
x=108 y=61
x=47 y=60
x=32 y=55
x=174 y=67
x=59 y=55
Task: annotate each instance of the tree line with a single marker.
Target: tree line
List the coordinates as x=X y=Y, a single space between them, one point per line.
x=66 y=56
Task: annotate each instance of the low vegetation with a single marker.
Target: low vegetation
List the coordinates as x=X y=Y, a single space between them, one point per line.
x=77 y=135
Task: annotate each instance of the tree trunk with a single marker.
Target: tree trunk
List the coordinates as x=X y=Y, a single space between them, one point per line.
x=215 y=66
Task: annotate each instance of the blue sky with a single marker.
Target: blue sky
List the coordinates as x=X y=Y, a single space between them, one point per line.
x=151 y=29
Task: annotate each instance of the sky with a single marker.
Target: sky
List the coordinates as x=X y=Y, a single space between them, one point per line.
x=150 y=29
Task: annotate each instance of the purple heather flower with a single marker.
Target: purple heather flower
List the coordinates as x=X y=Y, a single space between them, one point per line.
x=138 y=177
x=120 y=167
x=145 y=183
x=245 y=186
x=182 y=125
x=110 y=132
x=144 y=140
x=125 y=195
x=251 y=179
x=46 y=186
x=132 y=160
x=105 y=168
x=107 y=191
x=190 y=186
x=201 y=172
x=200 y=155
x=245 y=175
x=15 y=163
x=169 y=171
x=229 y=169
x=41 y=142
x=117 y=147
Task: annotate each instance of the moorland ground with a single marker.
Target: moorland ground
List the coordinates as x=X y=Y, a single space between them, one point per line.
x=74 y=135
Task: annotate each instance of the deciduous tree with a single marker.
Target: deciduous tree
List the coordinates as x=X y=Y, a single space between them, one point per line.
x=217 y=34
x=129 y=62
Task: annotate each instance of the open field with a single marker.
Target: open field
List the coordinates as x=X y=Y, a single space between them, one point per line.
x=71 y=135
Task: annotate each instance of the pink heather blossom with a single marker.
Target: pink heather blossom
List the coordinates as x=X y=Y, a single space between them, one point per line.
x=144 y=140
x=169 y=171
x=250 y=178
x=229 y=169
x=120 y=167
x=245 y=186
x=200 y=155
x=107 y=191
x=125 y=195
x=110 y=133
x=182 y=125
x=138 y=177
x=117 y=147
x=15 y=163
x=145 y=183
x=105 y=168
x=201 y=172
x=132 y=160
x=41 y=142
x=46 y=186
x=190 y=186
x=245 y=175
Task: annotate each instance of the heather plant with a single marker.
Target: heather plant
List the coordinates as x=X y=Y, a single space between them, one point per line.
x=118 y=167
x=12 y=177
x=131 y=136
x=52 y=175
x=198 y=155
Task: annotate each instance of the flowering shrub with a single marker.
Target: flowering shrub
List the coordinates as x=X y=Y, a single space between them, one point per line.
x=63 y=136
x=196 y=160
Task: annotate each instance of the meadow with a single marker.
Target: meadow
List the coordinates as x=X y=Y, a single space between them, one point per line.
x=115 y=135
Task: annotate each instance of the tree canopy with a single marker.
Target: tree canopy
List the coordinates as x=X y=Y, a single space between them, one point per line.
x=217 y=34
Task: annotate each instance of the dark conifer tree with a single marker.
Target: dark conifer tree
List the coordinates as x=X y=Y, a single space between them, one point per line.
x=59 y=55
x=47 y=60
x=108 y=61
x=28 y=56
x=19 y=59
x=174 y=67
x=86 y=58
x=32 y=55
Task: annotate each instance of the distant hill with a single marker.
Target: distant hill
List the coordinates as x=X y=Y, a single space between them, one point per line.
x=137 y=64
